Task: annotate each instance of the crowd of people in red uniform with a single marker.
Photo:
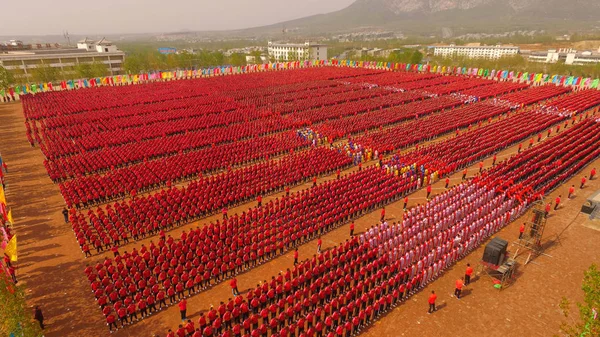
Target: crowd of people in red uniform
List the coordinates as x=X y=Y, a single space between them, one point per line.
x=346 y=288
x=143 y=216
x=469 y=147
x=339 y=128
x=217 y=251
x=341 y=290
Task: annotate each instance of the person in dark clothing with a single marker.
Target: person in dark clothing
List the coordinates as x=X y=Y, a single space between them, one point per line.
x=65 y=213
x=39 y=316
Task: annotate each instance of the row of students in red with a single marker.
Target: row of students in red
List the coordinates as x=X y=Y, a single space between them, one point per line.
x=185 y=165
x=339 y=128
x=535 y=94
x=541 y=169
x=447 y=156
x=426 y=128
x=208 y=195
x=175 y=269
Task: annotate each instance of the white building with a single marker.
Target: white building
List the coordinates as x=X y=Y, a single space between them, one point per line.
x=568 y=56
x=293 y=51
x=22 y=62
x=489 y=52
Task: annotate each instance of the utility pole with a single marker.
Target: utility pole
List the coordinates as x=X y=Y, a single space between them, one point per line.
x=66 y=36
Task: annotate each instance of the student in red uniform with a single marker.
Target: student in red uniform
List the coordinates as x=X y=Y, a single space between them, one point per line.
x=259 y=200
x=296 y=256
x=464 y=176
x=405 y=202
x=182 y=309
x=593 y=174
x=319 y=243
x=447 y=183
x=521 y=231
x=480 y=166
x=571 y=191
x=431 y=302
x=494 y=160
x=180 y=331
x=557 y=201
x=583 y=181
x=234 y=287
x=458 y=289
x=468 y=274
x=110 y=321
x=548 y=206
x=352 y=229
x=382 y=214
x=428 y=191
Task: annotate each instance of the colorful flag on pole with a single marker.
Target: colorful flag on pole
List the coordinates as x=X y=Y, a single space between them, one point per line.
x=9 y=217
x=11 y=249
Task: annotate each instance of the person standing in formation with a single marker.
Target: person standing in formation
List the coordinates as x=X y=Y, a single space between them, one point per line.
x=571 y=191
x=296 y=256
x=65 y=214
x=182 y=309
x=319 y=243
x=234 y=287
x=37 y=314
x=431 y=302
x=521 y=231
x=468 y=274
x=458 y=289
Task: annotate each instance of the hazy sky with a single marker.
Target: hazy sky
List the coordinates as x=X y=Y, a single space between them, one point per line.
x=40 y=17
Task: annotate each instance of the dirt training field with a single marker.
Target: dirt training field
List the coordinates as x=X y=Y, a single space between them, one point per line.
x=51 y=263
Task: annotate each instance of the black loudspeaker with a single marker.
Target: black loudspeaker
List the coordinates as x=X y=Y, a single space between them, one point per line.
x=588 y=208
x=495 y=251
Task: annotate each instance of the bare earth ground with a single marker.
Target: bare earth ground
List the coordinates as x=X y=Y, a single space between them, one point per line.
x=51 y=263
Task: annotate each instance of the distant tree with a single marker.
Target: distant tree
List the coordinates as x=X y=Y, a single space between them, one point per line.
x=293 y=56
x=133 y=64
x=44 y=73
x=217 y=58
x=256 y=54
x=416 y=57
x=587 y=324
x=237 y=59
x=6 y=78
x=99 y=69
x=84 y=70
x=15 y=317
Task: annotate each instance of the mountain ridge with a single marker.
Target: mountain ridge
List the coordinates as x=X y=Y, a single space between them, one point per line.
x=429 y=16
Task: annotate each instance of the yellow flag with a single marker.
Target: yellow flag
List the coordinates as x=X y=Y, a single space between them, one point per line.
x=9 y=217
x=2 y=196
x=11 y=249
